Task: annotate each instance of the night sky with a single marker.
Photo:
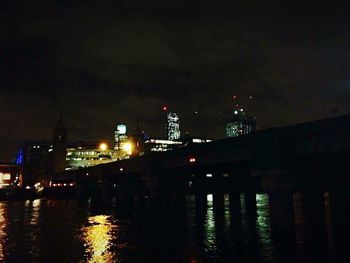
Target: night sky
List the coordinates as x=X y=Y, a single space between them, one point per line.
x=99 y=63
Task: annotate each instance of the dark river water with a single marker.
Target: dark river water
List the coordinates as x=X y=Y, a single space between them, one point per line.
x=291 y=227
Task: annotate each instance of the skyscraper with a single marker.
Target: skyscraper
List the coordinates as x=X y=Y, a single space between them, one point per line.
x=119 y=135
x=59 y=147
x=172 y=126
x=239 y=124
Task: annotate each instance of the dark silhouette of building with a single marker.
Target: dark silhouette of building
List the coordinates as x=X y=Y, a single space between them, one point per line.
x=59 y=142
x=138 y=140
x=37 y=160
x=41 y=159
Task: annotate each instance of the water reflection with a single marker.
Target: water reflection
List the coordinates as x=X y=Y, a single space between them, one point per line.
x=3 y=235
x=209 y=226
x=218 y=228
x=227 y=211
x=98 y=237
x=263 y=225
x=32 y=228
x=35 y=215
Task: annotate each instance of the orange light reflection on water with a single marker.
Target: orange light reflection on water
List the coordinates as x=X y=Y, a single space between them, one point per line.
x=98 y=239
x=3 y=235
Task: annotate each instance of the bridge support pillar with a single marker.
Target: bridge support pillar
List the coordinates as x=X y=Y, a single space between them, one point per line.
x=125 y=195
x=218 y=201
x=106 y=192
x=281 y=211
x=235 y=202
x=338 y=205
x=201 y=204
x=219 y=206
x=250 y=203
x=313 y=210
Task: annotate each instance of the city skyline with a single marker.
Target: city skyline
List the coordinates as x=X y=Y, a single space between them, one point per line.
x=98 y=64
x=110 y=137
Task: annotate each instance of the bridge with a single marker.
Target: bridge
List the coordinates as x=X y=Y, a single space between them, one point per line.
x=303 y=155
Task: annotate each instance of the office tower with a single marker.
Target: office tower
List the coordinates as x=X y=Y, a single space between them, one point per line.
x=119 y=136
x=172 y=126
x=59 y=147
x=239 y=124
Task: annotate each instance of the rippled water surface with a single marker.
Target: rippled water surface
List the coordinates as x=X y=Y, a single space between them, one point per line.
x=291 y=227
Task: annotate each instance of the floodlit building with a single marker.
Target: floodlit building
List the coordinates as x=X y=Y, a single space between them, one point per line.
x=11 y=176
x=172 y=126
x=83 y=155
x=119 y=136
x=239 y=124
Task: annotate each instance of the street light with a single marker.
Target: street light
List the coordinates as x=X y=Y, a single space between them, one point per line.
x=103 y=146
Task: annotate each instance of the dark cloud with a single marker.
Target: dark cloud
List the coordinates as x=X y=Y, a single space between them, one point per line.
x=99 y=63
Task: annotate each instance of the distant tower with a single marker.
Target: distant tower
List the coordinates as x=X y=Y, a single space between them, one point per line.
x=119 y=135
x=59 y=147
x=172 y=125
x=239 y=124
x=138 y=139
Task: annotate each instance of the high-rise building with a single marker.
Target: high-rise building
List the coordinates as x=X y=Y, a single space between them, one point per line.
x=172 y=126
x=59 y=147
x=137 y=139
x=239 y=124
x=119 y=136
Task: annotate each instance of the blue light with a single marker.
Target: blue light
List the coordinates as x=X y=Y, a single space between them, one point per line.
x=19 y=158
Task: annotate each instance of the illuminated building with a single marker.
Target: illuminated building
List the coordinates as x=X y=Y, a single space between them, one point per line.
x=172 y=126
x=239 y=124
x=11 y=176
x=89 y=154
x=188 y=140
x=155 y=145
x=119 y=136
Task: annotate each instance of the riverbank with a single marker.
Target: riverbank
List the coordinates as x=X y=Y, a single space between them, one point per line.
x=17 y=194
x=29 y=194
